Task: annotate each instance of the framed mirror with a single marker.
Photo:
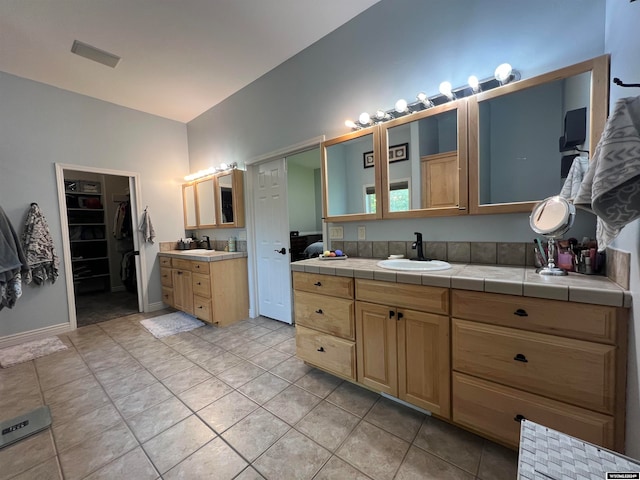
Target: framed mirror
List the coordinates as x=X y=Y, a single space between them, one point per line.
x=517 y=135
x=225 y=198
x=350 y=177
x=189 y=206
x=424 y=163
x=206 y=204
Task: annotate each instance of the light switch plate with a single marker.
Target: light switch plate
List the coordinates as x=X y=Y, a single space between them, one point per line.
x=362 y=232
x=336 y=233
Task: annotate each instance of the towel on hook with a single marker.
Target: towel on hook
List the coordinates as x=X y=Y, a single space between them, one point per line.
x=611 y=186
x=13 y=263
x=146 y=227
x=39 y=248
x=576 y=174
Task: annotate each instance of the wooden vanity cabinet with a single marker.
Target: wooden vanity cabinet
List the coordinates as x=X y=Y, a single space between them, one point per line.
x=402 y=336
x=560 y=364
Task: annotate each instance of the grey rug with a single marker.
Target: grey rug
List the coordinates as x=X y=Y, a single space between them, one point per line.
x=170 y=324
x=30 y=350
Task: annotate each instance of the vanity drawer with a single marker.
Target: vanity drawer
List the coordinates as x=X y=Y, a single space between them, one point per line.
x=327 y=314
x=323 y=284
x=575 y=371
x=165 y=262
x=165 y=277
x=493 y=410
x=576 y=320
x=167 y=296
x=403 y=295
x=200 y=267
x=181 y=264
x=326 y=351
x=202 y=308
x=201 y=285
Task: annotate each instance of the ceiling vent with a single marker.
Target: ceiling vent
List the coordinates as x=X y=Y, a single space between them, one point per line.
x=95 y=54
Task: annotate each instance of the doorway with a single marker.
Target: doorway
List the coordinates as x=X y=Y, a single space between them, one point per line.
x=100 y=244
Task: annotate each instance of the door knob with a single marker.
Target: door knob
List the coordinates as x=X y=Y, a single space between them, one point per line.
x=282 y=251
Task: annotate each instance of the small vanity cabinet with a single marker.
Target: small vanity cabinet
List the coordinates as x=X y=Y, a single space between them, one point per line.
x=325 y=329
x=557 y=363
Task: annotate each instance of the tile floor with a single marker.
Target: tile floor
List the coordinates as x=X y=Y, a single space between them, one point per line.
x=220 y=403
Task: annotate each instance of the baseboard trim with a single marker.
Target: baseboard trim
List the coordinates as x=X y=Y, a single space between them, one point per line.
x=155 y=306
x=37 y=334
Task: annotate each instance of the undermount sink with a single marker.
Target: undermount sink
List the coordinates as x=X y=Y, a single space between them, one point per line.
x=414 y=265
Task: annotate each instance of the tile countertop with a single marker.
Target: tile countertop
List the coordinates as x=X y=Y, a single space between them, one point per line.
x=200 y=255
x=508 y=280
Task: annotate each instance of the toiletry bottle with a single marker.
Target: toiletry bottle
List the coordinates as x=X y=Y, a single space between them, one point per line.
x=232 y=244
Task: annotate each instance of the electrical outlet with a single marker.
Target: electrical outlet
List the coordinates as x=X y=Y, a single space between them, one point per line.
x=336 y=233
x=362 y=233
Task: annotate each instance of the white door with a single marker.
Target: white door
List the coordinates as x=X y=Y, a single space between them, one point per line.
x=272 y=240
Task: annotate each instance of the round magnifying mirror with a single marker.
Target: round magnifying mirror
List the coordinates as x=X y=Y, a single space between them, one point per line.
x=552 y=217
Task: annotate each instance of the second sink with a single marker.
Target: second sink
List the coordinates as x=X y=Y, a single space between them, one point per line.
x=414 y=266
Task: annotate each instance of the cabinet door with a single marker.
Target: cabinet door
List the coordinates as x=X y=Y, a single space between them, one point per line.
x=206 y=204
x=377 y=365
x=182 y=291
x=189 y=206
x=423 y=360
x=440 y=180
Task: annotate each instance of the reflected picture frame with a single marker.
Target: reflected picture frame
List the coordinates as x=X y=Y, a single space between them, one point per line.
x=397 y=153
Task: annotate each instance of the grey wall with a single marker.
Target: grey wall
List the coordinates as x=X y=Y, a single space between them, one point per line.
x=623 y=41
x=42 y=125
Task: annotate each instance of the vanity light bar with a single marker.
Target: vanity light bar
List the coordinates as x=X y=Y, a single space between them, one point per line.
x=503 y=74
x=210 y=171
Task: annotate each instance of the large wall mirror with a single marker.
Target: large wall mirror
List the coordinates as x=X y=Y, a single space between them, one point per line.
x=351 y=182
x=424 y=163
x=225 y=200
x=515 y=157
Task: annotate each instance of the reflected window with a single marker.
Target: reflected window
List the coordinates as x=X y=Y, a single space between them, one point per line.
x=399 y=197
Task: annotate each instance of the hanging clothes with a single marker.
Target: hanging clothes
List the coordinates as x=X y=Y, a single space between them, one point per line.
x=13 y=263
x=122 y=224
x=146 y=227
x=39 y=248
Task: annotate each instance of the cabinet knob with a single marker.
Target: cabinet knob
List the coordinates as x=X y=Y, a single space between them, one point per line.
x=198 y=283
x=518 y=418
x=200 y=307
x=520 y=358
x=321 y=349
x=521 y=313
x=198 y=267
x=400 y=315
x=392 y=313
x=318 y=284
x=179 y=272
x=319 y=311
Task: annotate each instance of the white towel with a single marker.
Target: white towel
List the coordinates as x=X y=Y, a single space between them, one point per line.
x=146 y=227
x=572 y=183
x=611 y=186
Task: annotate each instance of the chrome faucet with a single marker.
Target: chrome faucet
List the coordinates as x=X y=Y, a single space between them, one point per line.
x=417 y=245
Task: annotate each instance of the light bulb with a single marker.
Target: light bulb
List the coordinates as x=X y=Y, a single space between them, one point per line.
x=503 y=72
x=380 y=115
x=364 y=118
x=350 y=124
x=223 y=166
x=401 y=106
x=474 y=83
x=446 y=90
x=422 y=98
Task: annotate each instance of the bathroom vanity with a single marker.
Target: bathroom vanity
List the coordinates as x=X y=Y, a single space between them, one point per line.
x=480 y=346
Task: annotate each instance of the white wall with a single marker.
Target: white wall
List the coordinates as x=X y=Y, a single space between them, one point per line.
x=623 y=41
x=42 y=125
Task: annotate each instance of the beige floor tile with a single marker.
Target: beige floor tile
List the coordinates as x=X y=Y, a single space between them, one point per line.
x=249 y=349
x=47 y=470
x=60 y=372
x=402 y=421
x=373 y=451
x=319 y=383
x=203 y=355
x=227 y=411
x=133 y=465
x=13 y=405
x=142 y=399
x=80 y=428
x=456 y=446
x=256 y=332
x=288 y=346
x=186 y=379
x=255 y=433
x=497 y=462
x=178 y=442
x=121 y=387
x=337 y=468
x=120 y=360
x=112 y=374
x=22 y=375
x=76 y=388
x=292 y=369
x=215 y=461
x=420 y=465
x=77 y=406
x=304 y=458
x=269 y=358
x=26 y=454
x=249 y=473
x=220 y=363
x=273 y=338
x=157 y=419
x=204 y=393
x=292 y=404
x=97 y=451
x=353 y=398
x=264 y=388
x=328 y=425
x=240 y=374
x=170 y=367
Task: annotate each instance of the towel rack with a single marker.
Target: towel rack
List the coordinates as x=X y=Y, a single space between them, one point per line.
x=620 y=83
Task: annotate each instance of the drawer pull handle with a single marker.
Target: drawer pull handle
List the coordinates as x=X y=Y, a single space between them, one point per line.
x=520 y=358
x=318 y=284
x=392 y=313
x=518 y=418
x=321 y=349
x=521 y=313
x=200 y=307
x=198 y=283
x=179 y=272
x=319 y=311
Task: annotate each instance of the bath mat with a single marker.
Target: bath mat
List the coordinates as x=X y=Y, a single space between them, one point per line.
x=170 y=324
x=30 y=350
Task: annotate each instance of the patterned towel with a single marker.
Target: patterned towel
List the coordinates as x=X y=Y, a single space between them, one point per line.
x=39 y=249
x=611 y=186
x=579 y=168
x=146 y=227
